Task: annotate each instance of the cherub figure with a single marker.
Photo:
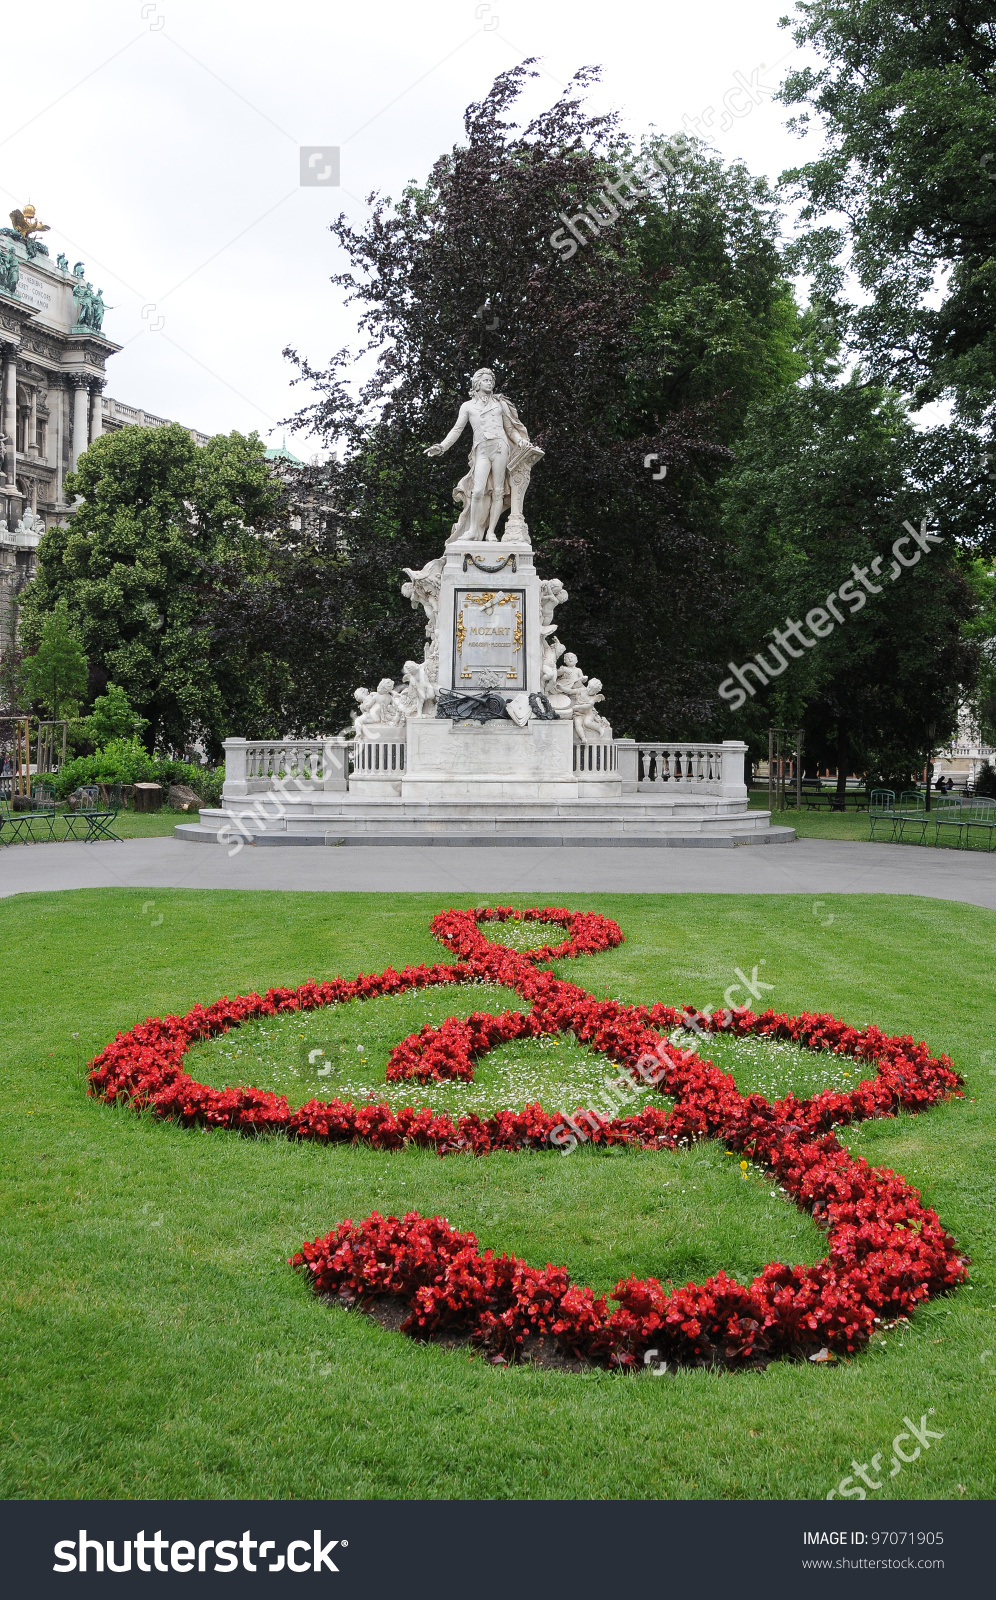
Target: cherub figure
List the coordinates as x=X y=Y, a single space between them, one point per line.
x=378 y=711
x=552 y=594
x=364 y=700
x=552 y=651
x=422 y=589
x=588 y=725
x=421 y=690
x=570 y=675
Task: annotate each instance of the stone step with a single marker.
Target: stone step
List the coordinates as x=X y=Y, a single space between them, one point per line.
x=632 y=838
x=480 y=812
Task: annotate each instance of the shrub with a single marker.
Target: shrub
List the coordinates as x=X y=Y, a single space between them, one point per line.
x=127 y=761
x=112 y=718
x=985 y=781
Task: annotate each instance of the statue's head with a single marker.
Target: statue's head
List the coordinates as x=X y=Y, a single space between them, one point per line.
x=483 y=381
x=385 y=686
x=570 y=660
x=360 y=694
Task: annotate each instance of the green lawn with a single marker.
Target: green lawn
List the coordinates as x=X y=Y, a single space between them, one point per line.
x=150 y=824
x=128 y=825
x=155 y=1344
x=816 y=824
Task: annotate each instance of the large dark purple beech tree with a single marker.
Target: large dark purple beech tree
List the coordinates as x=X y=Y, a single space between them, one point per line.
x=653 y=339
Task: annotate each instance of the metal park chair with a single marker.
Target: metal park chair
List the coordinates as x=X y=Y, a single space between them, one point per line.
x=982 y=817
x=88 y=810
x=951 y=816
x=882 y=811
x=21 y=824
x=43 y=797
x=911 y=813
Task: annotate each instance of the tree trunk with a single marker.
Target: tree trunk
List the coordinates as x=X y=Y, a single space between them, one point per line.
x=842 y=765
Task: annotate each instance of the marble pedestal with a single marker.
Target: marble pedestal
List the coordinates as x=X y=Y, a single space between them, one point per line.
x=496 y=761
x=500 y=646
x=441 y=760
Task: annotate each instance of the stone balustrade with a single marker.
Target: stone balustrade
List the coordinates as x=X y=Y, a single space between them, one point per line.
x=596 y=760
x=681 y=766
x=300 y=768
x=379 y=758
x=296 y=768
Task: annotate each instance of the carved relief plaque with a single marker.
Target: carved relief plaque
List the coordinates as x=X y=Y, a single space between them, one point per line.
x=489 y=639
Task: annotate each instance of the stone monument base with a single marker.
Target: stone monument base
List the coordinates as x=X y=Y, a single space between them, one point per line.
x=435 y=782
x=629 y=820
x=493 y=761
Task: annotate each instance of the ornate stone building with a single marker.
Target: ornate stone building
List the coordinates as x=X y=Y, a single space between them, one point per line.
x=53 y=354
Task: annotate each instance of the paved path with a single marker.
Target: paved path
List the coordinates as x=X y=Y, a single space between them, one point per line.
x=810 y=866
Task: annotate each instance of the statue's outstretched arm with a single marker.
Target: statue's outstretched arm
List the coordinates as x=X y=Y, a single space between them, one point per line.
x=441 y=448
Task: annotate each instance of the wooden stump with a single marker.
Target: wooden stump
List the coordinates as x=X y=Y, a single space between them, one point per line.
x=148 y=796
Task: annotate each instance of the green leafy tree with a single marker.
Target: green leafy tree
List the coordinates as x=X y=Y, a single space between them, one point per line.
x=827 y=475
x=133 y=570
x=56 y=675
x=650 y=340
x=982 y=631
x=112 y=717
x=907 y=102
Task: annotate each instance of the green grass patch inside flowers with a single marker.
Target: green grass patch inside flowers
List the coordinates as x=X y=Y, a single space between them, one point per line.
x=776 y=1067
x=341 y=1052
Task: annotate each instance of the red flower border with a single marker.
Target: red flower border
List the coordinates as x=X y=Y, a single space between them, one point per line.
x=886 y=1251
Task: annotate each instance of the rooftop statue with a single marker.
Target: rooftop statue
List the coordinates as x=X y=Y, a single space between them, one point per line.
x=9 y=271
x=25 y=223
x=90 y=307
x=500 y=463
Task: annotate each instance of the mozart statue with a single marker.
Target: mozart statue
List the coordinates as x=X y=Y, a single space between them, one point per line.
x=500 y=463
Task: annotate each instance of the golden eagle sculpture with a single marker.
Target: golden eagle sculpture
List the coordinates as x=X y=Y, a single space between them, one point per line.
x=25 y=223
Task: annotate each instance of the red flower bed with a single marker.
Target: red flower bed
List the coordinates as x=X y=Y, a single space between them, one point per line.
x=886 y=1251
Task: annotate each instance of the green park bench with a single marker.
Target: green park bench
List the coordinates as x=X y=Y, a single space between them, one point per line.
x=815 y=797
x=88 y=810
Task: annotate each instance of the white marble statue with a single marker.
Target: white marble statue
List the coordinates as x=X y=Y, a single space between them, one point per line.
x=569 y=675
x=552 y=651
x=552 y=595
x=569 y=678
x=500 y=463
x=421 y=688
x=364 y=699
x=378 y=710
x=588 y=725
x=422 y=589
x=31 y=522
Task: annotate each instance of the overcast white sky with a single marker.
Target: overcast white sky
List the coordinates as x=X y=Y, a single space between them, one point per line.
x=161 y=142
